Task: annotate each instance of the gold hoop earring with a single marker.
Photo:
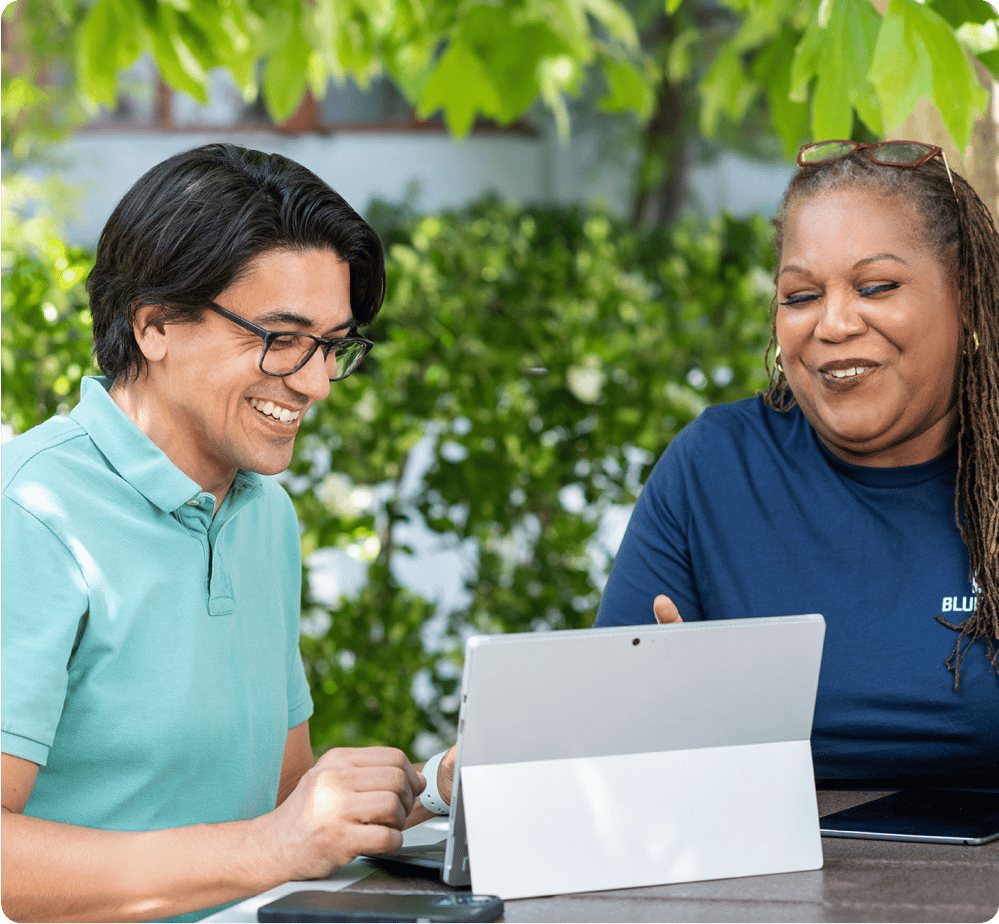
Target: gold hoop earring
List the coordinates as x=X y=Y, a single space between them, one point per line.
x=777 y=364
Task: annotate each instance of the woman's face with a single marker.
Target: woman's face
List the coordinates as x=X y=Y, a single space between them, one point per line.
x=869 y=328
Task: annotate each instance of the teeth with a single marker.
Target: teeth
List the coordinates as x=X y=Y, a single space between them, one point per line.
x=847 y=373
x=272 y=410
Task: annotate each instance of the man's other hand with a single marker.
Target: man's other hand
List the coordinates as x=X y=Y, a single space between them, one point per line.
x=445 y=775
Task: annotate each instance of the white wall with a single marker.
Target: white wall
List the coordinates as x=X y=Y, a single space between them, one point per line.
x=360 y=166
x=445 y=173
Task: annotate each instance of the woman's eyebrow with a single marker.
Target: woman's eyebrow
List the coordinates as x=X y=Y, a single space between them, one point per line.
x=794 y=268
x=880 y=256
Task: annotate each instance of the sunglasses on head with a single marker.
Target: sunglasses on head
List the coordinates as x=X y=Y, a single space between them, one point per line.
x=905 y=154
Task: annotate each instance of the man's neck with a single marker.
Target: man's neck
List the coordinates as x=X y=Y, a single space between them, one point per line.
x=135 y=401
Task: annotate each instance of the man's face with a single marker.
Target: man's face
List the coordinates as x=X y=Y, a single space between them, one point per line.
x=215 y=410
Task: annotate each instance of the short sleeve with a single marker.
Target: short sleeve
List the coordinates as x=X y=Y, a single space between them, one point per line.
x=299 y=696
x=654 y=556
x=300 y=706
x=44 y=606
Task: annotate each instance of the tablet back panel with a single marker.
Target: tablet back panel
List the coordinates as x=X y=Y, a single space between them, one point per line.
x=675 y=743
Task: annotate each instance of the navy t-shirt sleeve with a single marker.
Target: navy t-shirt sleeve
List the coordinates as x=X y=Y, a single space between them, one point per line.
x=654 y=556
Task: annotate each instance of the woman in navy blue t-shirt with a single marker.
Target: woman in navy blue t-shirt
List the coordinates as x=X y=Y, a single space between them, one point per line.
x=864 y=485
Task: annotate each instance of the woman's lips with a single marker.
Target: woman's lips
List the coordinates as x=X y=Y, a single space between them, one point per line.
x=846 y=371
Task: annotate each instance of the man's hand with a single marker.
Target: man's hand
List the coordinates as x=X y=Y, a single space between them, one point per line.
x=665 y=610
x=355 y=800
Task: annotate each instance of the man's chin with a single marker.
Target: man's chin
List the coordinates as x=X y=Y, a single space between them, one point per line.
x=271 y=464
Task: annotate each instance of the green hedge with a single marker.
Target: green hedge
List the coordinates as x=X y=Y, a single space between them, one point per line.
x=547 y=356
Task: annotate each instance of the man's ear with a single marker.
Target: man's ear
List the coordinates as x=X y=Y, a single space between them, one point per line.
x=149 y=327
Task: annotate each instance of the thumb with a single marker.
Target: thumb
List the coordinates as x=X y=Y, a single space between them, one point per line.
x=665 y=610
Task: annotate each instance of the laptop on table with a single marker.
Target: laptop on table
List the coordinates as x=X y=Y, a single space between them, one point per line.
x=628 y=756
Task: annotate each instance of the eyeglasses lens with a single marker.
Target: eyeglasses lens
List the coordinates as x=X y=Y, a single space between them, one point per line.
x=826 y=150
x=291 y=352
x=343 y=359
x=900 y=152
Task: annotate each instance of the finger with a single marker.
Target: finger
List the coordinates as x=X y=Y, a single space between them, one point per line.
x=378 y=808
x=372 y=779
x=665 y=610
x=374 y=758
x=377 y=839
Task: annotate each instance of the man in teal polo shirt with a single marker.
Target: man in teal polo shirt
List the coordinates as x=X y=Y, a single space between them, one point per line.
x=156 y=756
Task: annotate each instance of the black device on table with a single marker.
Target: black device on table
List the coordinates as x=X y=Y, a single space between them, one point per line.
x=938 y=816
x=325 y=905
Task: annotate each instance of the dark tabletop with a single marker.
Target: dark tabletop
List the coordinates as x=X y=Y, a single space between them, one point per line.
x=861 y=880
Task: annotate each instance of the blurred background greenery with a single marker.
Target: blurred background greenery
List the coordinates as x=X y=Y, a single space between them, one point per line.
x=532 y=360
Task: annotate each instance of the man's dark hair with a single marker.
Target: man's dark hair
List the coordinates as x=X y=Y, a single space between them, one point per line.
x=190 y=227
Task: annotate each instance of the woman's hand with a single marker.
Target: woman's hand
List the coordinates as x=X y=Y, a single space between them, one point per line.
x=665 y=610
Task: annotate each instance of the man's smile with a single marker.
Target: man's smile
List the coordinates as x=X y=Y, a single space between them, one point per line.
x=276 y=411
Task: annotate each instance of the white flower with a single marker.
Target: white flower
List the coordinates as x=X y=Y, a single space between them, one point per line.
x=586 y=381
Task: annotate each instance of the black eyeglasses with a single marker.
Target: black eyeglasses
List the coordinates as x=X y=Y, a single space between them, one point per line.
x=905 y=154
x=287 y=351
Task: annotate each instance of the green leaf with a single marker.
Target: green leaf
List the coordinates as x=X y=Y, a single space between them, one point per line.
x=411 y=65
x=100 y=30
x=171 y=39
x=681 y=54
x=629 y=88
x=725 y=90
x=763 y=22
x=842 y=84
x=957 y=12
x=227 y=30
x=991 y=61
x=615 y=19
x=772 y=68
x=323 y=26
x=806 y=62
x=918 y=55
x=284 y=77
x=509 y=51
x=460 y=86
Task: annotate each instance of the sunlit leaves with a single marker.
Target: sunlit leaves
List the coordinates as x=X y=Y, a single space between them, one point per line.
x=848 y=61
x=470 y=60
x=837 y=54
x=918 y=55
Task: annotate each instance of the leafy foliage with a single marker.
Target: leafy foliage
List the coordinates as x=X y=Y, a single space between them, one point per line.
x=820 y=63
x=537 y=360
x=817 y=62
x=46 y=325
x=465 y=58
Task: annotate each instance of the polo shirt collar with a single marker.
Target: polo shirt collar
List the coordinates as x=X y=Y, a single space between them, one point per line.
x=136 y=457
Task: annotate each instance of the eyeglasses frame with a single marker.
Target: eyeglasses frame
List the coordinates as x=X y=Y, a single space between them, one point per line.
x=269 y=336
x=933 y=150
